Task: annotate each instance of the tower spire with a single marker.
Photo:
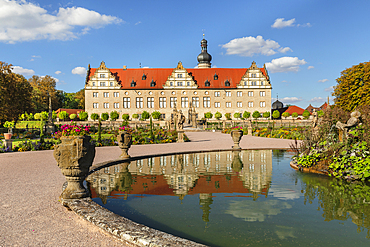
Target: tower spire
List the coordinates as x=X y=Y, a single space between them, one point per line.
x=204 y=59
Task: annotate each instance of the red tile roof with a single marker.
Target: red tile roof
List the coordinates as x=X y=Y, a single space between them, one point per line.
x=160 y=76
x=296 y=109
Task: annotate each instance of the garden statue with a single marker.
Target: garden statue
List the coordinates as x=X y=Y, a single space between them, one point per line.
x=180 y=120
x=124 y=140
x=352 y=122
x=193 y=118
x=250 y=129
x=315 y=121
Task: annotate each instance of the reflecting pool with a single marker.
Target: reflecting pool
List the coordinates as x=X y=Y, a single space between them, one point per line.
x=236 y=198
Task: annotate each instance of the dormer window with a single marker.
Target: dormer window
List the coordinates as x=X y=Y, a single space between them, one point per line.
x=152 y=83
x=179 y=75
x=207 y=83
x=227 y=83
x=102 y=75
x=102 y=84
x=143 y=77
x=133 y=83
x=215 y=77
x=171 y=84
x=179 y=83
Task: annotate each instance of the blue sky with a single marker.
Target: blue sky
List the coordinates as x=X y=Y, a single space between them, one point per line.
x=305 y=44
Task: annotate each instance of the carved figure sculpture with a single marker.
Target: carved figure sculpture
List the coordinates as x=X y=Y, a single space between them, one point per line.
x=180 y=120
x=352 y=122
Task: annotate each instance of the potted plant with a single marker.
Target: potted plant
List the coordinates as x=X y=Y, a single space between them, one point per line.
x=10 y=126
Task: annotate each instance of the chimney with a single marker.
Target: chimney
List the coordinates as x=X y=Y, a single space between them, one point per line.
x=124 y=67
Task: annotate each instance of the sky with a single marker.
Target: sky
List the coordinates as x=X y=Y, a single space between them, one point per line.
x=305 y=44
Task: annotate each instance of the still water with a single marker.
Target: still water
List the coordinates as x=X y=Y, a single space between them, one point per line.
x=236 y=198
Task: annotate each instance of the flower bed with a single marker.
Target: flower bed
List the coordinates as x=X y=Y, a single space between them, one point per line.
x=282 y=133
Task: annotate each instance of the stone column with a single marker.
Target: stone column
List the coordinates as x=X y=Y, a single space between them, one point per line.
x=180 y=136
x=8 y=143
x=223 y=124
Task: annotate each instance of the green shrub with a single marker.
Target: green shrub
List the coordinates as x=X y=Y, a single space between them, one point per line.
x=114 y=115
x=285 y=114
x=306 y=114
x=237 y=115
x=83 y=115
x=145 y=115
x=135 y=116
x=218 y=115
x=256 y=114
x=266 y=114
x=105 y=116
x=95 y=116
x=73 y=116
x=275 y=114
x=294 y=114
x=228 y=116
x=63 y=115
x=125 y=117
x=156 y=115
x=208 y=115
x=246 y=115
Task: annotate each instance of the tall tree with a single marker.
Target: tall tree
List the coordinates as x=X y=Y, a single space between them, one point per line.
x=42 y=87
x=353 y=87
x=15 y=94
x=80 y=98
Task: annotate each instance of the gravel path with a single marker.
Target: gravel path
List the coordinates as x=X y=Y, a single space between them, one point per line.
x=31 y=182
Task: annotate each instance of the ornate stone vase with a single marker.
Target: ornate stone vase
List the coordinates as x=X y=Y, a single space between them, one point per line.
x=124 y=140
x=75 y=156
x=236 y=135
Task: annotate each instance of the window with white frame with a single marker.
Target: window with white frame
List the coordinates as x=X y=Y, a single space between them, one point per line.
x=188 y=83
x=126 y=102
x=239 y=104
x=179 y=83
x=206 y=102
x=261 y=83
x=139 y=102
x=262 y=104
x=179 y=75
x=171 y=83
x=111 y=84
x=262 y=93
x=95 y=94
x=150 y=102
x=217 y=104
x=93 y=84
x=253 y=75
x=102 y=75
x=195 y=102
x=217 y=94
x=250 y=104
x=254 y=83
x=162 y=102
x=116 y=94
x=184 y=102
x=228 y=104
x=106 y=105
x=102 y=84
x=95 y=105
x=116 y=105
x=239 y=94
x=173 y=102
x=228 y=94
x=106 y=95
x=250 y=93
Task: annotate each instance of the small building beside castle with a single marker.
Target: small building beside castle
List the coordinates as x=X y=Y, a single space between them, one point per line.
x=207 y=89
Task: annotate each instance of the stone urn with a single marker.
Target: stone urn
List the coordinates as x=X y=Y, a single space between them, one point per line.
x=237 y=136
x=74 y=157
x=8 y=136
x=124 y=140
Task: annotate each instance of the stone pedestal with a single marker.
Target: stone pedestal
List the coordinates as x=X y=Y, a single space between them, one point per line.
x=8 y=143
x=236 y=135
x=205 y=125
x=250 y=129
x=74 y=157
x=180 y=136
x=124 y=140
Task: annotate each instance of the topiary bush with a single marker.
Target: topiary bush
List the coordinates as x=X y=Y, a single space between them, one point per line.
x=105 y=116
x=95 y=116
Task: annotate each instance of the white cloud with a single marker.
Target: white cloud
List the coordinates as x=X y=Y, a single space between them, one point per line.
x=56 y=79
x=329 y=89
x=280 y=23
x=248 y=46
x=137 y=23
x=304 y=25
x=79 y=71
x=310 y=67
x=323 y=80
x=290 y=99
x=22 y=71
x=58 y=72
x=24 y=21
x=284 y=64
x=317 y=99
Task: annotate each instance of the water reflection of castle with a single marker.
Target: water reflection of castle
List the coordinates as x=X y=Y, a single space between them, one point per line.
x=247 y=171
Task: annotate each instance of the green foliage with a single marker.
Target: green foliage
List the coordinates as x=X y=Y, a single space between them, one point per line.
x=208 y=115
x=256 y=114
x=306 y=114
x=237 y=115
x=266 y=114
x=275 y=114
x=156 y=115
x=37 y=116
x=125 y=117
x=105 y=116
x=114 y=115
x=320 y=113
x=285 y=114
x=135 y=116
x=9 y=124
x=294 y=114
x=145 y=115
x=310 y=159
x=228 y=116
x=99 y=131
x=83 y=116
x=246 y=115
x=218 y=115
x=63 y=115
x=54 y=115
x=95 y=116
x=73 y=116
x=44 y=115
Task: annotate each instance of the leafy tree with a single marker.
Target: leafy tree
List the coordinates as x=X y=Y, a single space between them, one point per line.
x=266 y=114
x=320 y=113
x=237 y=115
x=306 y=114
x=135 y=116
x=218 y=115
x=208 y=115
x=285 y=114
x=42 y=87
x=15 y=93
x=275 y=114
x=83 y=115
x=73 y=116
x=246 y=115
x=80 y=98
x=95 y=116
x=256 y=114
x=44 y=115
x=228 y=116
x=145 y=115
x=114 y=115
x=353 y=87
x=54 y=115
x=294 y=114
x=156 y=114
x=125 y=117
x=105 y=116
x=62 y=115
x=69 y=101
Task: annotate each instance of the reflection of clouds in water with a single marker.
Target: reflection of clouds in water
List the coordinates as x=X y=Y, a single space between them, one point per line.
x=284 y=193
x=256 y=210
x=284 y=232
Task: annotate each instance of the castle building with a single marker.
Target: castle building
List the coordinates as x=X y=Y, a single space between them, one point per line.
x=207 y=89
